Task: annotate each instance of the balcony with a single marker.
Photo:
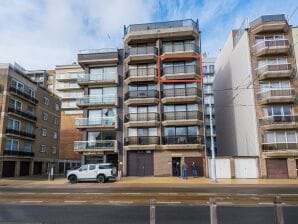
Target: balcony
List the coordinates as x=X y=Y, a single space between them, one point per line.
x=182 y=118
x=141 y=54
x=98 y=122
x=68 y=76
x=98 y=56
x=271 y=47
x=142 y=119
x=142 y=140
x=97 y=101
x=17 y=153
x=23 y=95
x=19 y=133
x=141 y=97
x=178 y=28
x=279 y=149
x=180 y=72
x=183 y=142
x=98 y=79
x=21 y=114
x=71 y=95
x=185 y=95
x=275 y=71
x=96 y=146
x=66 y=86
x=276 y=96
x=180 y=49
x=279 y=122
x=269 y=23
x=141 y=75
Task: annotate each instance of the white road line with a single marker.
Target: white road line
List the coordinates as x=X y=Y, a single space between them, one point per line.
x=130 y=193
x=121 y=202
x=168 y=193
x=31 y=201
x=265 y=203
x=60 y=193
x=168 y=202
x=75 y=201
x=26 y=193
x=95 y=193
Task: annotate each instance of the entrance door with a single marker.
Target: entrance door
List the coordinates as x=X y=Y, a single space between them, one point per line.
x=277 y=168
x=176 y=166
x=8 y=168
x=200 y=164
x=140 y=163
x=37 y=168
x=24 y=168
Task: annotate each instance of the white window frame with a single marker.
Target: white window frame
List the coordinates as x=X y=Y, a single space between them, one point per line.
x=54 y=150
x=12 y=140
x=14 y=121
x=42 y=148
x=55 y=135
x=45 y=116
x=46 y=100
x=18 y=83
x=286 y=137
x=44 y=132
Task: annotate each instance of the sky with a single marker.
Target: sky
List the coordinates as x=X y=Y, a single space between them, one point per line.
x=39 y=34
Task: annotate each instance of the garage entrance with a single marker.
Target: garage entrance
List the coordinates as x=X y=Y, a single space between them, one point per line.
x=37 y=168
x=140 y=163
x=8 y=168
x=277 y=168
x=199 y=162
x=24 y=168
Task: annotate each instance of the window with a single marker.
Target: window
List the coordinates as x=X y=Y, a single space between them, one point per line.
x=55 y=135
x=83 y=168
x=31 y=110
x=279 y=110
x=103 y=73
x=181 y=107
x=18 y=85
x=56 y=120
x=54 y=150
x=259 y=39
x=28 y=147
x=209 y=99
x=92 y=167
x=42 y=148
x=142 y=109
x=57 y=106
x=13 y=124
x=142 y=132
x=211 y=68
x=46 y=100
x=281 y=137
x=12 y=145
x=29 y=128
x=15 y=104
x=272 y=61
x=44 y=132
x=31 y=93
x=142 y=87
x=181 y=131
x=45 y=116
x=265 y=86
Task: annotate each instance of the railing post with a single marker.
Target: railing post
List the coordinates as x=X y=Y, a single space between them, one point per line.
x=213 y=211
x=152 y=203
x=278 y=210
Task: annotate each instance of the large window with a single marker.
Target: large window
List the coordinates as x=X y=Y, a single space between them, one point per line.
x=101 y=135
x=180 y=86
x=28 y=147
x=29 y=128
x=18 y=85
x=271 y=61
x=279 y=110
x=285 y=84
x=142 y=132
x=260 y=38
x=281 y=137
x=180 y=107
x=181 y=131
x=100 y=73
x=99 y=92
x=142 y=109
x=142 y=87
x=12 y=144
x=13 y=124
x=15 y=104
x=98 y=113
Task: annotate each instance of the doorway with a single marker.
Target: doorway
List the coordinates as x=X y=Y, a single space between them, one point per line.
x=176 y=166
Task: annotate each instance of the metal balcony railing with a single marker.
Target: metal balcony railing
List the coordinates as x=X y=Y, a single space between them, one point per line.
x=98 y=145
x=180 y=69
x=183 y=115
x=180 y=47
x=140 y=72
x=98 y=121
x=183 y=139
x=97 y=77
x=270 y=44
x=21 y=113
x=102 y=99
x=141 y=51
x=273 y=93
x=141 y=94
x=182 y=92
x=17 y=153
x=267 y=18
x=273 y=68
x=280 y=146
x=161 y=25
x=142 y=140
x=20 y=133
x=23 y=94
x=142 y=117
x=278 y=119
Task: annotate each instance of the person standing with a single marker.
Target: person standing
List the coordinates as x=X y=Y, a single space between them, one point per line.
x=177 y=172
x=184 y=170
x=194 y=170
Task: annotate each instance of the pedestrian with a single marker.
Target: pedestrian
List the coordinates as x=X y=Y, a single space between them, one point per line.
x=184 y=170
x=194 y=169
x=177 y=173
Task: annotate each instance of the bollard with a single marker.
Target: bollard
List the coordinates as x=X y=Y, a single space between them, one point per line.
x=152 y=203
x=278 y=210
x=213 y=211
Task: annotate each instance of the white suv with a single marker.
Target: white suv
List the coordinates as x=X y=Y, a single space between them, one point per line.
x=100 y=172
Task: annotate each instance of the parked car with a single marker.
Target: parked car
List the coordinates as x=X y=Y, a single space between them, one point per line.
x=101 y=172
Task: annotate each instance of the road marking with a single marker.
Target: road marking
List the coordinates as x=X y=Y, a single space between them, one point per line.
x=265 y=203
x=26 y=193
x=75 y=201
x=225 y=203
x=31 y=201
x=95 y=193
x=167 y=193
x=130 y=193
x=121 y=202
x=60 y=193
x=168 y=202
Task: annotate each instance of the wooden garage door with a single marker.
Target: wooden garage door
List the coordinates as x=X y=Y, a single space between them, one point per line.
x=8 y=168
x=200 y=164
x=140 y=163
x=37 y=168
x=24 y=168
x=277 y=168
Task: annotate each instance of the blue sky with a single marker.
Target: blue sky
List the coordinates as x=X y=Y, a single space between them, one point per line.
x=43 y=33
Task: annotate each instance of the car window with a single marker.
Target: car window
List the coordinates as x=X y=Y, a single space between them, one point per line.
x=92 y=167
x=83 y=168
x=110 y=166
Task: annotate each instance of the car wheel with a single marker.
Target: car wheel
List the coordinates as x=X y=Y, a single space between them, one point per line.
x=73 y=179
x=101 y=178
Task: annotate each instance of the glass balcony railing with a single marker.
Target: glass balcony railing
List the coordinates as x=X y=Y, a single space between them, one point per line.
x=279 y=119
x=103 y=99
x=183 y=115
x=18 y=153
x=275 y=93
x=96 y=121
x=270 y=44
x=181 y=47
x=141 y=94
x=142 y=140
x=141 y=51
x=97 y=145
x=97 y=77
x=181 y=92
x=267 y=18
x=280 y=146
x=141 y=72
x=183 y=69
x=183 y=139
x=131 y=117
x=273 y=68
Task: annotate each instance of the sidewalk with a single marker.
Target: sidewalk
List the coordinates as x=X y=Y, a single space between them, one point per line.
x=61 y=181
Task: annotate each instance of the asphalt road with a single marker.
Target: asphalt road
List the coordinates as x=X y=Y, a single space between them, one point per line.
x=130 y=214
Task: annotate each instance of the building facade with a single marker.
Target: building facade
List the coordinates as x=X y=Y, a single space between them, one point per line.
x=208 y=77
x=29 y=126
x=256 y=109
x=162 y=99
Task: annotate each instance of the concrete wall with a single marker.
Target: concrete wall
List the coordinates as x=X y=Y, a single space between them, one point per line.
x=236 y=124
x=295 y=42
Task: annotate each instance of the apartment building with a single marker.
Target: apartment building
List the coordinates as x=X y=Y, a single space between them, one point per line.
x=29 y=125
x=162 y=99
x=102 y=103
x=256 y=109
x=208 y=77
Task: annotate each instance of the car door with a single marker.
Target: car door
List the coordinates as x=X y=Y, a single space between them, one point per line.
x=82 y=172
x=92 y=171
